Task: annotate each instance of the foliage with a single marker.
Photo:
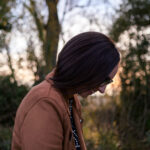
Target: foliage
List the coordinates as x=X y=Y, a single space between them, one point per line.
x=5 y=6
x=131 y=13
x=5 y=138
x=133 y=121
x=100 y=128
x=5 y=15
x=11 y=95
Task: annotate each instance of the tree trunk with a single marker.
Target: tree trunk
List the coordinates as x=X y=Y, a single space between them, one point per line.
x=48 y=35
x=52 y=36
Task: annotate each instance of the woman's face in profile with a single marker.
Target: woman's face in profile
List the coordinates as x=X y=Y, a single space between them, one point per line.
x=101 y=89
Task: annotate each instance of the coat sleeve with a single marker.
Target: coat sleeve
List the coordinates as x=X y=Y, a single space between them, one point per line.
x=42 y=128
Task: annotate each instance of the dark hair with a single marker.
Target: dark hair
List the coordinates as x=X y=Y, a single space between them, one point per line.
x=86 y=59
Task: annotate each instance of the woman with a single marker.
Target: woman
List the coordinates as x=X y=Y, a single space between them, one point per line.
x=49 y=117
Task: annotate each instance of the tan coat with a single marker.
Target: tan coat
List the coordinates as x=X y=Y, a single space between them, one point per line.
x=42 y=121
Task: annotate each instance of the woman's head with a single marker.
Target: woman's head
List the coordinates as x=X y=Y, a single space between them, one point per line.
x=101 y=87
x=86 y=61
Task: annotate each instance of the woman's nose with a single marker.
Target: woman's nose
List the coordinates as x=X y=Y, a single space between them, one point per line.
x=102 y=89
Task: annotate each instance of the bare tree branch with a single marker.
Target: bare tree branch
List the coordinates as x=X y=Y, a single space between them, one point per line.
x=38 y=22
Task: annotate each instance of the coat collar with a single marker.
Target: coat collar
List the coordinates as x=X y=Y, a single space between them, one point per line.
x=76 y=106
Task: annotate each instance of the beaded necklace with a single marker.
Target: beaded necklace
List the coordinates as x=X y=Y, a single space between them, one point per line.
x=74 y=131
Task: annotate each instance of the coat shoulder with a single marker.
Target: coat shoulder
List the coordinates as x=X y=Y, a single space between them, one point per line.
x=41 y=92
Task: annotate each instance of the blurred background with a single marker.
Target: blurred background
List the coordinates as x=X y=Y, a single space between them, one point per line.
x=33 y=32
